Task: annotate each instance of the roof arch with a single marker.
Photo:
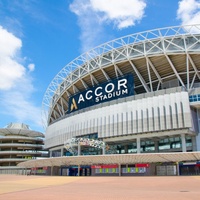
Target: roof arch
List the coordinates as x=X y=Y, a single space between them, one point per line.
x=163 y=41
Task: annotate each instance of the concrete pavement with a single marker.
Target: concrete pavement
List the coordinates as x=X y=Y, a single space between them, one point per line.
x=16 y=187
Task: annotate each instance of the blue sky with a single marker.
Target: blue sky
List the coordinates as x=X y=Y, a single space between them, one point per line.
x=39 y=37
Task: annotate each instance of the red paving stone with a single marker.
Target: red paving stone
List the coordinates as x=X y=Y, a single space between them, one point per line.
x=14 y=187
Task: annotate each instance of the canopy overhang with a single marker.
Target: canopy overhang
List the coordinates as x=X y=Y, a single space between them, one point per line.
x=112 y=159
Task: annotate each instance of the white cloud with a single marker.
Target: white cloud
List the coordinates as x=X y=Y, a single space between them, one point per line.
x=10 y=69
x=123 y=13
x=189 y=12
x=88 y=22
x=16 y=87
x=94 y=14
x=31 y=67
x=9 y=42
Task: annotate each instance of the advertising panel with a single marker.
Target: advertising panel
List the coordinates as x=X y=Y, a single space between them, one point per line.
x=104 y=166
x=114 y=89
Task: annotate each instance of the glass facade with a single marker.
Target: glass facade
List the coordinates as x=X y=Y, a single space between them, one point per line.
x=171 y=144
x=194 y=98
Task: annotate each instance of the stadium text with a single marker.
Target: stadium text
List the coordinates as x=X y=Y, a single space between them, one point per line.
x=111 y=90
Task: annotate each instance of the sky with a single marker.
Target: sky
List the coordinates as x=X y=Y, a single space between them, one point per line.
x=40 y=37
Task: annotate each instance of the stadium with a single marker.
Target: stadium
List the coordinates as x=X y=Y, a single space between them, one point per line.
x=128 y=106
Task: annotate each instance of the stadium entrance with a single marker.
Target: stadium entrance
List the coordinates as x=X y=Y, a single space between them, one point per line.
x=75 y=171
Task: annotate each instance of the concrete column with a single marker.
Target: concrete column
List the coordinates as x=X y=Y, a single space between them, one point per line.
x=126 y=149
x=119 y=166
x=79 y=149
x=51 y=170
x=138 y=145
x=61 y=152
x=50 y=154
x=104 y=150
x=183 y=142
x=194 y=143
x=78 y=170
x=156 y=144
x=177 y=168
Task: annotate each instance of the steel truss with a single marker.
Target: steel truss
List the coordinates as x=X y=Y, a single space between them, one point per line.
x=163 y=42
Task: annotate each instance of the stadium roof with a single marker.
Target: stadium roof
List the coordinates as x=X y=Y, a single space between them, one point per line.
x=154 y=57
x=19 y=129
x=113 y=159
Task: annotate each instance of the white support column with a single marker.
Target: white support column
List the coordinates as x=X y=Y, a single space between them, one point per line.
x=78 y=170
x=50 y=154
x=138 y=145
x=51 y=170
x=61 y=152
x=146 y=87
x=126 y=149
x=174 y=69
x=156 y=144
x=104 y=150
x=183 y=142
x=188 y=75
x=120 y=172
x=194 y=143
x=177 y=168
x=149 y=73
x=79 y=149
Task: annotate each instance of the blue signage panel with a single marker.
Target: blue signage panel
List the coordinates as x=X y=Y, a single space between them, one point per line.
x=114 y=89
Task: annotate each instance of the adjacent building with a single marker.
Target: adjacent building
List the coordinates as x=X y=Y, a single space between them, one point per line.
x=19 y=143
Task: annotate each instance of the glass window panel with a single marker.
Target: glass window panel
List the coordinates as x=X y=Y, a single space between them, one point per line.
x=132 y=169
x=123 y=170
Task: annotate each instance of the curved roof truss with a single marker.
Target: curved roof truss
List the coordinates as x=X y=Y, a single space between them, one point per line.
x=144 y=45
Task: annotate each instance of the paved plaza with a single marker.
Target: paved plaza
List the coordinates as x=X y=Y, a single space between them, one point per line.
x=16 y=187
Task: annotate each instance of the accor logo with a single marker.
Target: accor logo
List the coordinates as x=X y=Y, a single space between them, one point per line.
x=114 y=89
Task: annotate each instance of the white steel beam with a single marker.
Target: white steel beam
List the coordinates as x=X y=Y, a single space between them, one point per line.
x=154 y=70
x=191 y=85
x=84 y=83
x=75 y=89
x=51 y=118
x=105 y=74
x=59 y=109
x=62 y=106
x=56 y=114
x=194 y=66
x=174 y=69
x=149 y=74
x=146 y=87
x=93 y=80
x=117 y=70
x=187 y=71
x=68 y=93
x=64 y=101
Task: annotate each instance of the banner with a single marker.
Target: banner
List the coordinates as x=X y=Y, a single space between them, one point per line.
x=114 y=89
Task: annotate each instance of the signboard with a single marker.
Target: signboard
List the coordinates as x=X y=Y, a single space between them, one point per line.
x=142 y=165
x=114 y=89
x=104 y=166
